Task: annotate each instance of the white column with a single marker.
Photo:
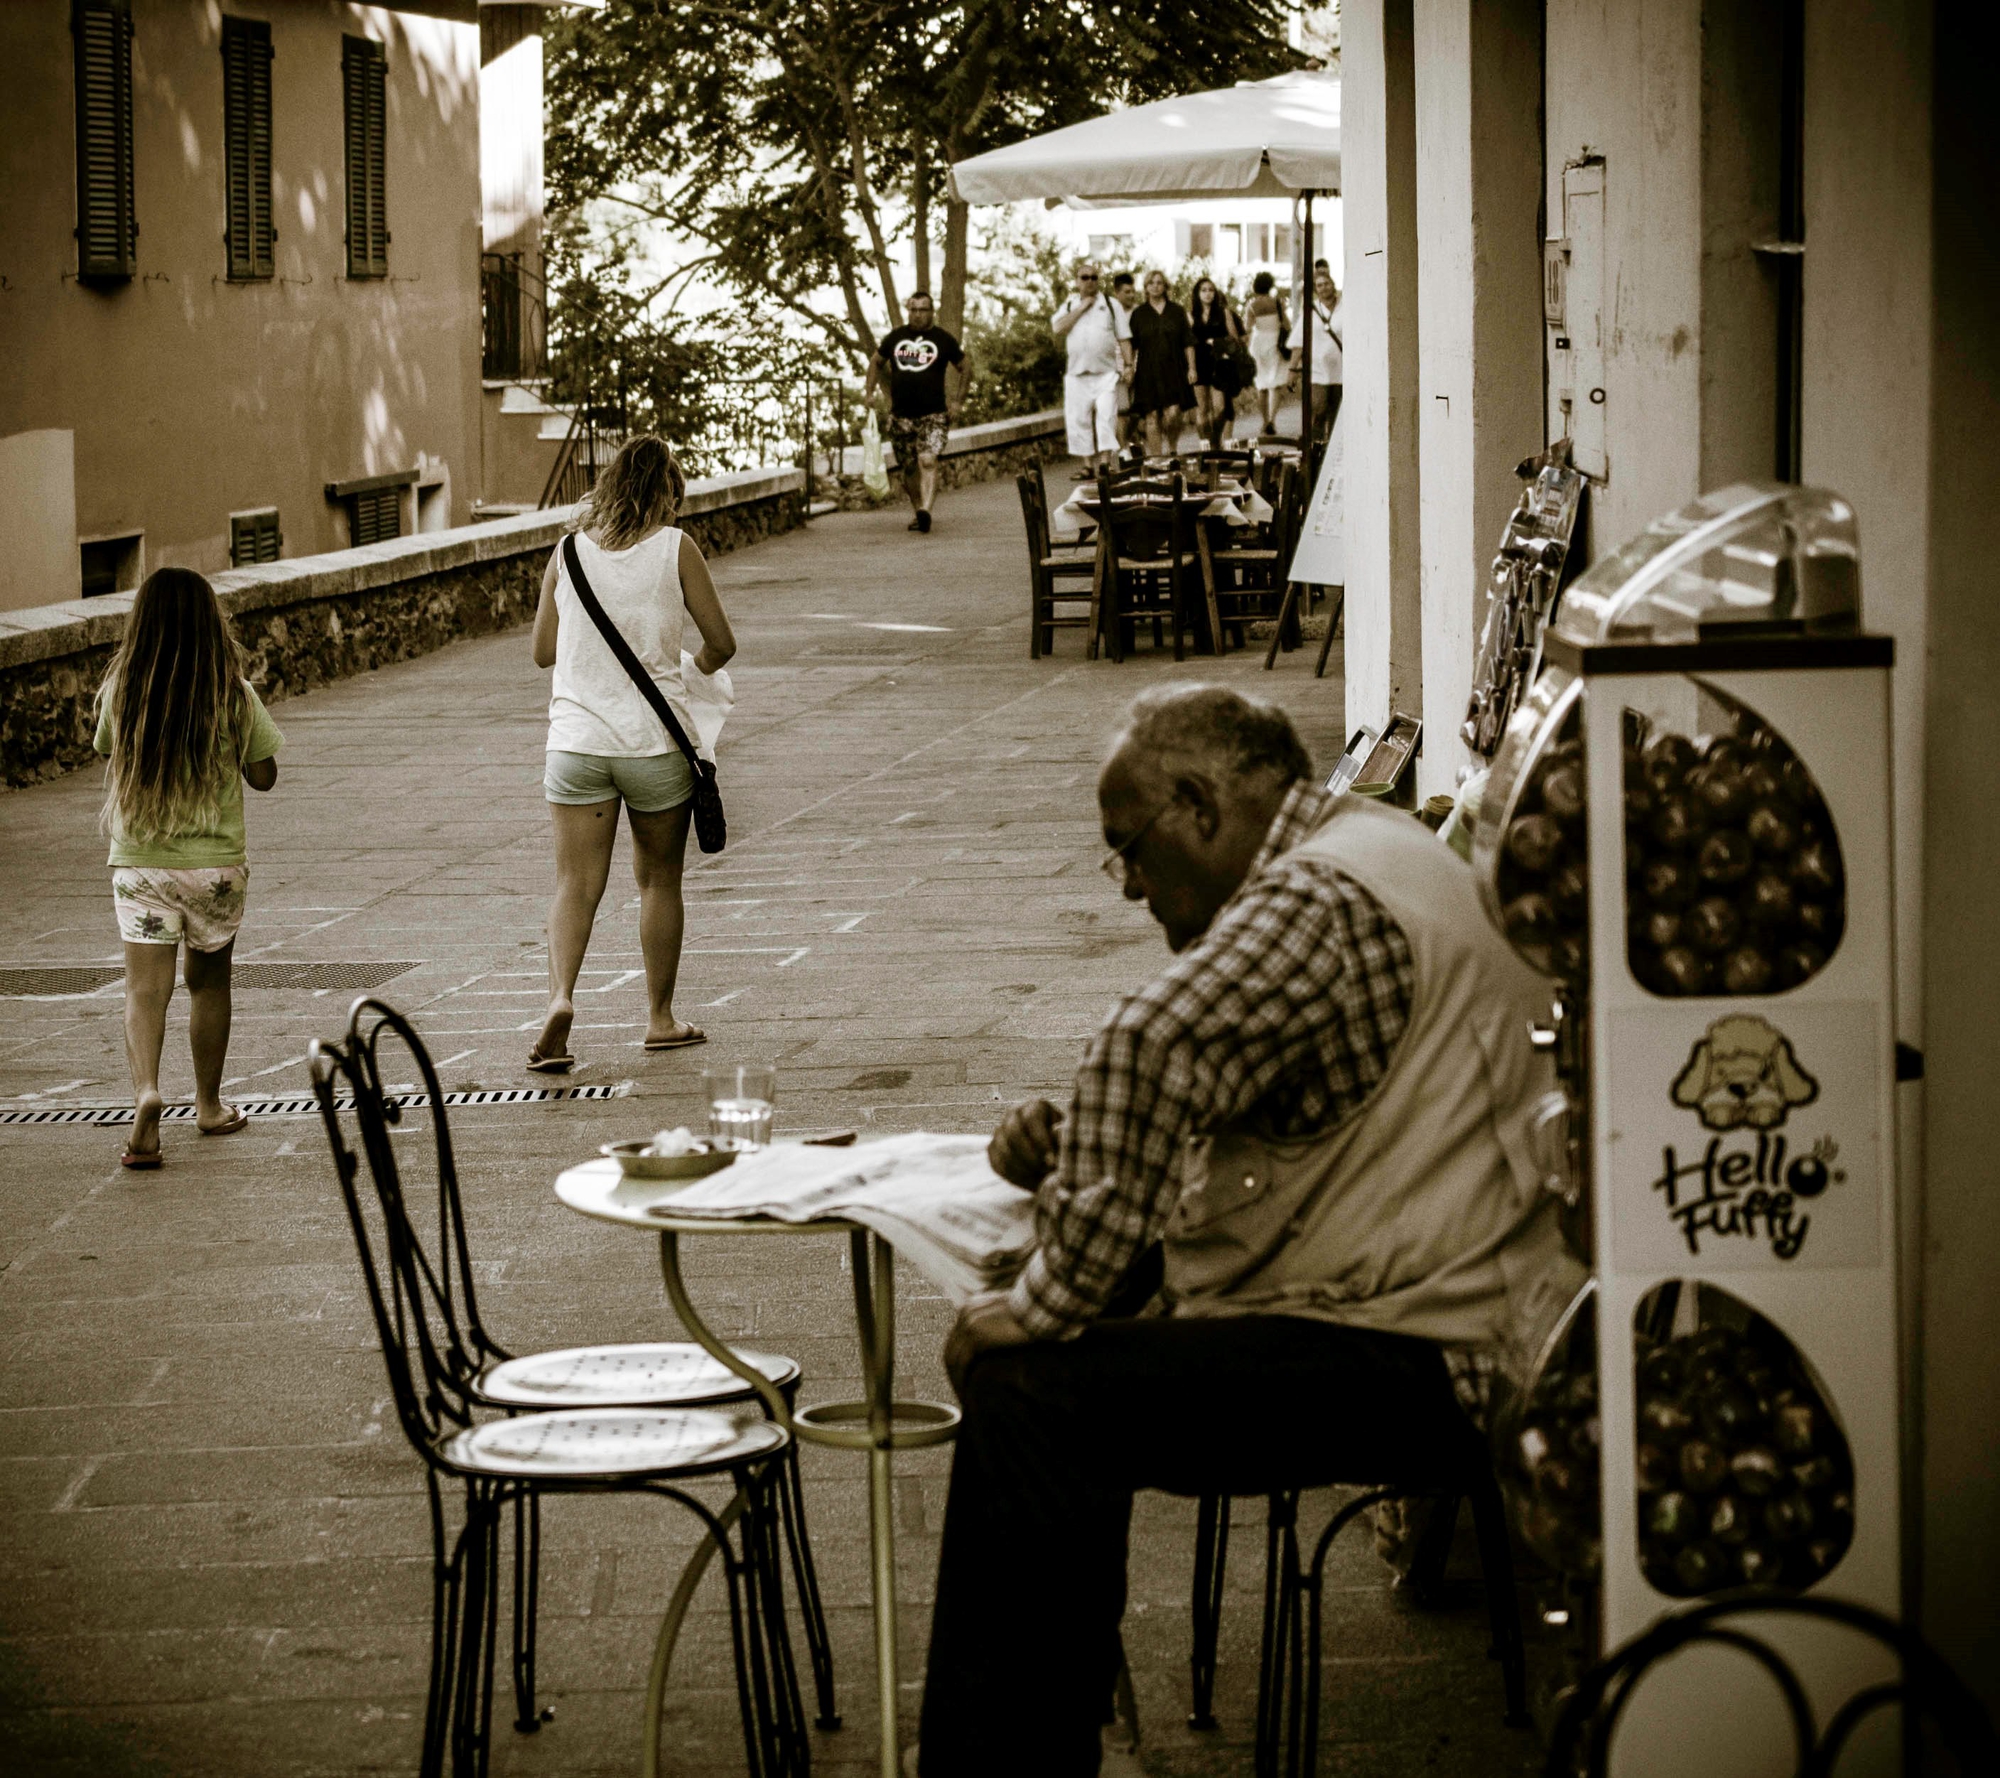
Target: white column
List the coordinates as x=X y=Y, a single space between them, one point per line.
x=1384 y=662
x=1478 y=91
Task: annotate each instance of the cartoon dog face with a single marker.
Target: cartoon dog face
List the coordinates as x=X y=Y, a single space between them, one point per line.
x=1743 y=1072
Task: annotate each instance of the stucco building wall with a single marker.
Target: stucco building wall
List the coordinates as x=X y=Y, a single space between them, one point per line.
x=192 y=397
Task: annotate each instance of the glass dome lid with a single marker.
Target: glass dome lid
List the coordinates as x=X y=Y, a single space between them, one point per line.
x=1764 y=558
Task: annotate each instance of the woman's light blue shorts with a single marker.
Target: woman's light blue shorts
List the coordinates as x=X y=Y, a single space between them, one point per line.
x=649 y=785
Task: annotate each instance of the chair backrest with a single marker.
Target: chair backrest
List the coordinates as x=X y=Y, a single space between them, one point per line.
x=1288 y=506
x=1148 y=518
x=1035 y=516
x=426 y=1311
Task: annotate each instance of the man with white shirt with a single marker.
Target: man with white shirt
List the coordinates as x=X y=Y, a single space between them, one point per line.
x=1099 y=337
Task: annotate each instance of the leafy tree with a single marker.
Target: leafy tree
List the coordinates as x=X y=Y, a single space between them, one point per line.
x=786 y=137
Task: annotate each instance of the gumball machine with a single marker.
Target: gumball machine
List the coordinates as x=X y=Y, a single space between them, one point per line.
x=1688 y=829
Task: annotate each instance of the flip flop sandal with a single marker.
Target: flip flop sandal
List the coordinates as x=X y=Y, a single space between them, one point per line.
x=141 y=1160
x=541 y=1064
x=696 y=1035
x=235 y=1123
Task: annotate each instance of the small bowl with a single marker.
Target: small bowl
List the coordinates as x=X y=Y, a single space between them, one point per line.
x=635 y=1163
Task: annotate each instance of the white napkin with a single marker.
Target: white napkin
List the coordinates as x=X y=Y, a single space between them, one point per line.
x=710 y=698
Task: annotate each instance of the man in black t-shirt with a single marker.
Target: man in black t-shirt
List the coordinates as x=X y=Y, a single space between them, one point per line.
x=915 y=364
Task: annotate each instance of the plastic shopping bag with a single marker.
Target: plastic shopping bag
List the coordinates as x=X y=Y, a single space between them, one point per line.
x=874 y=477
x=710 y=698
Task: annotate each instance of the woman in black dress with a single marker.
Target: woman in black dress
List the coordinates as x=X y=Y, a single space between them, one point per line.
x=1215 y=328
x=1164 y=371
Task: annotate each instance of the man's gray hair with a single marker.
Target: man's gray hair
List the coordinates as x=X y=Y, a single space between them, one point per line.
x=1243 y=735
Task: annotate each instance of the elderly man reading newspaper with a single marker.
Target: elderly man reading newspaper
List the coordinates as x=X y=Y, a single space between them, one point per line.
x=1310 y=1132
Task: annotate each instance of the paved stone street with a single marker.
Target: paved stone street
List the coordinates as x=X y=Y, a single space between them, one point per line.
x=213 y=1543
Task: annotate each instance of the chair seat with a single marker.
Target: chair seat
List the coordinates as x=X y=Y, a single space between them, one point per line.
x=606 y=1443
x=1253 y=553
x=1156 y=564
x=677 y=1375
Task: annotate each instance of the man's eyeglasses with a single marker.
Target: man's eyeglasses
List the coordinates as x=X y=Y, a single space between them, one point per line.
x=1117 y=863
x=1086 y=277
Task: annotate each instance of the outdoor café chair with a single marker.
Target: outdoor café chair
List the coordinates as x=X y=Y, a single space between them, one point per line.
x=1050 y=569
x=640 y=1418
x=1152 y=562
x=1289 y=1659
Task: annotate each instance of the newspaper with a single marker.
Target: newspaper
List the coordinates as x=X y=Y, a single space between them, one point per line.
x=933 y=1198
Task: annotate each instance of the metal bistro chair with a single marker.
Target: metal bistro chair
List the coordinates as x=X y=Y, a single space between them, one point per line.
x=1152 y=562
x=1048 y=565
x=426 y=1318
x=1289 y=1660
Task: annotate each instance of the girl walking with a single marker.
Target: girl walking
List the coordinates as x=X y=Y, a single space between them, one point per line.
x=606 y=746
x=1216 y=329
x=1266 y=316
x=185 y=732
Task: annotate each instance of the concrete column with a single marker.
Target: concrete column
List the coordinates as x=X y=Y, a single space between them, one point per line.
x=1624 y=84
x=1479 y=300
x=1378 y=414
x=1961 y=949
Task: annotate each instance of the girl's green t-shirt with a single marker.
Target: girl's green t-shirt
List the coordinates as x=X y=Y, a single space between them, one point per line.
x=222 y=843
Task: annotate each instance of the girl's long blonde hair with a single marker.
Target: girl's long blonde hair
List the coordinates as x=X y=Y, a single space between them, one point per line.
x=639 y=490
x=178 y=710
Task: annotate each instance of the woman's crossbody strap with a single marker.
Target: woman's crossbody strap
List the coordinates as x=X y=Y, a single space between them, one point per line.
x=615 y=641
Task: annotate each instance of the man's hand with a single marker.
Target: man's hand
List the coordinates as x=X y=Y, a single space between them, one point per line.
x=1023 y=1149
x=985 y=1324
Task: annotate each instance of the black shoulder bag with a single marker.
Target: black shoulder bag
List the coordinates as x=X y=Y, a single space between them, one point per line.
x=711 y=830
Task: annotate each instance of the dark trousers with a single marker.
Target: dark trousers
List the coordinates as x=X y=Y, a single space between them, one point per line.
x=1056 y=1439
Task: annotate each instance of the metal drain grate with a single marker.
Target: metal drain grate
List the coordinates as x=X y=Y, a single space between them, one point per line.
x=60 y=980
x=299 y=1105
x=73 y=980
x=316 y=975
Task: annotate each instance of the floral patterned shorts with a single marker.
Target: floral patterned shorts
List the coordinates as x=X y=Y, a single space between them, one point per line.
x=161 y=907
x=926 y=432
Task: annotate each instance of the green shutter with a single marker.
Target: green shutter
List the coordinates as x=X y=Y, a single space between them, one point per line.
x=246 y=135
x=364 y=73
x=107 y=229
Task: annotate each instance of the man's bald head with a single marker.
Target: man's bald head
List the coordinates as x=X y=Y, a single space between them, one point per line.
x=1188 y=793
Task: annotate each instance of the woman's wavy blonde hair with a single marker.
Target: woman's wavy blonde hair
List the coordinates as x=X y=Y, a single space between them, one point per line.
x=179 y=713
x=639 y=490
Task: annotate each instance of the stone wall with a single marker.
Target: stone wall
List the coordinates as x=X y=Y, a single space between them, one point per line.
x=315 y=619
x=976 y=454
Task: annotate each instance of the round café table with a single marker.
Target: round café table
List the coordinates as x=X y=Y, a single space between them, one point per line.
x=878 y=1424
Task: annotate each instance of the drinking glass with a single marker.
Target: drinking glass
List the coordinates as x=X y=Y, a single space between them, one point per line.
x=739 y=1104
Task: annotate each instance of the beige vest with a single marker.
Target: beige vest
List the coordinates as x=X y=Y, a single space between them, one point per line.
x=1425 y=1212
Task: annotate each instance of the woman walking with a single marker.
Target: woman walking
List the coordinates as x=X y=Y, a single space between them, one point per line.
x=1215 y=328
x=1163 y=369
x=184 y=732
x=606 y=746
x=1265 y=314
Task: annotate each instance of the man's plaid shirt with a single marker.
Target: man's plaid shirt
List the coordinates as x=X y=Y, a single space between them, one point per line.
x=1284 y=1015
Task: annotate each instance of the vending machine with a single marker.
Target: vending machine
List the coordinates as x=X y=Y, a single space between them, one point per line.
x=1688 y=829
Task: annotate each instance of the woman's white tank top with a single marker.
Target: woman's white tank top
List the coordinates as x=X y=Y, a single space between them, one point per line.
x=593 y=705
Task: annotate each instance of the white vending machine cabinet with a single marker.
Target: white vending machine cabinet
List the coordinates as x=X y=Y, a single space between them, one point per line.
x=1690 y=830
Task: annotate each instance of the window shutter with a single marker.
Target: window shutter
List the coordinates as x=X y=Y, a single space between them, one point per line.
x=254 y=537
x=246 y=113
x=377 y=516
x=107 y=229
x=364 y=72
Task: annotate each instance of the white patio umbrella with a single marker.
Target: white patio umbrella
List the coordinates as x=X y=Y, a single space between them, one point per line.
x=1276 y=138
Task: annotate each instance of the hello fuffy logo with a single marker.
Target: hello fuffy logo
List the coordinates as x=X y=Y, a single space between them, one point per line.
x=1742 y=1071
x=1743 y=1078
